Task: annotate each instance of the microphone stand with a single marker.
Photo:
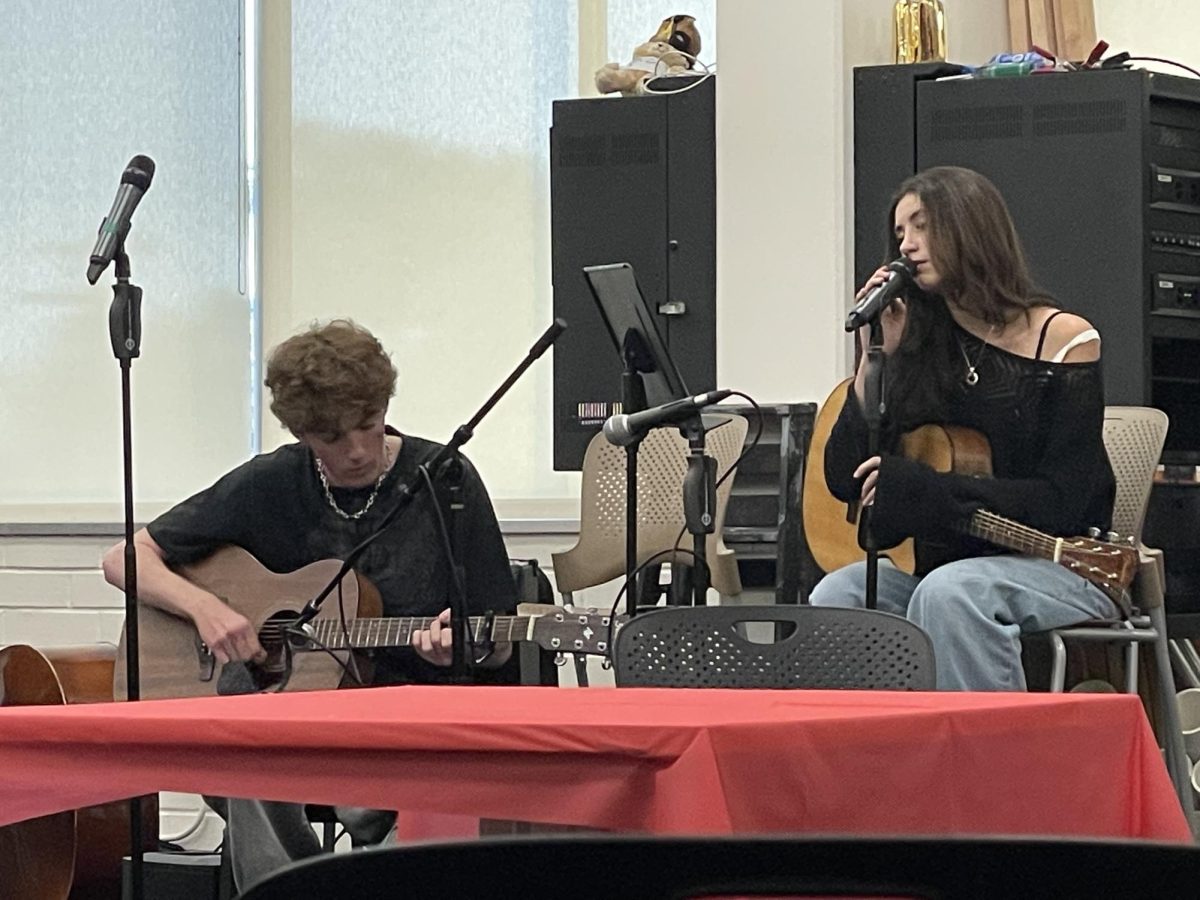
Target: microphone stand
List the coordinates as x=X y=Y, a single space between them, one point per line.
x=125 y=333
x=633 y=399
x=699 y=504
x=451 y=474
x=874 y=406
x=459 y=623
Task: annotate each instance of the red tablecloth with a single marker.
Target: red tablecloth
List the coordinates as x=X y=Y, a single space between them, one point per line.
x=711 y=761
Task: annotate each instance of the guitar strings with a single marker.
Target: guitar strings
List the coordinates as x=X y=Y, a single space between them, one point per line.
x=1033 y=539
x=406 y=625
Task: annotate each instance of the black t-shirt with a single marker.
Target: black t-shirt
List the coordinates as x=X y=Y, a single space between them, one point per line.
x=274 y=507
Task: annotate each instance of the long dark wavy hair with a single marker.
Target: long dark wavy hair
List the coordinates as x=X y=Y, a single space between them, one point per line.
x=973 y=244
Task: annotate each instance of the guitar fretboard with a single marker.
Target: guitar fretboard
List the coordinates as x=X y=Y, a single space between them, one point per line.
x=398 y=631
x=1013 y=535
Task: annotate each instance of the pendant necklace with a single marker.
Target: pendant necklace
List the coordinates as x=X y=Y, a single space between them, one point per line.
x=972 y=376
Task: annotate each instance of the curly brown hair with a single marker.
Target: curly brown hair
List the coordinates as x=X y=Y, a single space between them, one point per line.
x=327 y=379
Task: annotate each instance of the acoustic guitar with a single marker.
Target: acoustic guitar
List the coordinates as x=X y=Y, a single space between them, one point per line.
x=174 y=662
x=74 y=854
x=831 y=526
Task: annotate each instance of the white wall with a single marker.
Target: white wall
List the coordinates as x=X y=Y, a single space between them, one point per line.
x=780 y=207
x=785 y=180
x=1166 y=28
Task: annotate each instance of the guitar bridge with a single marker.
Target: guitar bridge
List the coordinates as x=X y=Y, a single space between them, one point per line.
x=206 y=662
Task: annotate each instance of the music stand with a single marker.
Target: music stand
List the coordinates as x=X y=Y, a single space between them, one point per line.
x=649 y=377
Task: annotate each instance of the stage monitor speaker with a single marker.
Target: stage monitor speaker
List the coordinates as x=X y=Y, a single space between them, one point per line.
x=885 y=149
x=1101 y=171
x=632 y=179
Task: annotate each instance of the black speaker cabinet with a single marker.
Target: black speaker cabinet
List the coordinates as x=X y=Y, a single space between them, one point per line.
x=632 y=179
x=1101 y=170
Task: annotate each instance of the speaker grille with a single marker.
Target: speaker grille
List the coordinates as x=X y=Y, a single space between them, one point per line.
x=1083 y=117
x=582 y=150
x=975 y=123
x=639 y=148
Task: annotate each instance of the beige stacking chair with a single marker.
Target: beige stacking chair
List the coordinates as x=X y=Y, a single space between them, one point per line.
x=599 y=554
x=1134 y=437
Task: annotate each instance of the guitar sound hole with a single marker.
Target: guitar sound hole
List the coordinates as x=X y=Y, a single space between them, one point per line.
x=270 y=675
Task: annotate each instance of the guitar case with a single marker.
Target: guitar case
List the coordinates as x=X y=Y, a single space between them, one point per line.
x=73 y=855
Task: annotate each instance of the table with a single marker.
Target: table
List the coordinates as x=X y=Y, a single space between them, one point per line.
x=628 y=759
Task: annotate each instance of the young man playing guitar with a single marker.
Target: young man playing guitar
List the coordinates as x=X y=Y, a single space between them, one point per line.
x=316 y=499
x=972 y=343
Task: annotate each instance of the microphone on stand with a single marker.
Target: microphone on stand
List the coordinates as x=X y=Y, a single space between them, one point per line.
x=135 y=181
x=623 y=429
x=900 y=275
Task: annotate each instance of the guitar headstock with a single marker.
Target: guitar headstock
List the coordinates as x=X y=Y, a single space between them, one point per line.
x=1109 y=566
x=571 y=630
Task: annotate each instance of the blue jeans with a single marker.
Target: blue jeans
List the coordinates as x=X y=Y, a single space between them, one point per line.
x=975 y=611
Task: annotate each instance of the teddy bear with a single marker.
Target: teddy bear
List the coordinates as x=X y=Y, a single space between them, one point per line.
x=671 y=51
x=650 y=58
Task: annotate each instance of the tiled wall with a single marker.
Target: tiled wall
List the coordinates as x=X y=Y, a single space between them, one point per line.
x=52 y=592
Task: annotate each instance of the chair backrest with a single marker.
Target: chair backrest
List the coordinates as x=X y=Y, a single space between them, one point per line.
x=598 y=867
x=828 y=647
x=599 y=556
x=1134 y=438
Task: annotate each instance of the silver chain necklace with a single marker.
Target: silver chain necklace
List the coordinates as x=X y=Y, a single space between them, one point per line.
x=387 y=464
x=972 y=376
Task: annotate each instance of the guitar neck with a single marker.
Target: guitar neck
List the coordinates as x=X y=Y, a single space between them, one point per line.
x=1013 y=535
x=398 y=631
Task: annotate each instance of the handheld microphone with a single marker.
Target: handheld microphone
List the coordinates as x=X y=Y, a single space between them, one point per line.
x=135 y=181
x=623 y=429
x=900 y=274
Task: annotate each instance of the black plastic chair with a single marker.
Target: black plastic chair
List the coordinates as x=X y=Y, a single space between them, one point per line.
x=813 y=647
x=589 y=867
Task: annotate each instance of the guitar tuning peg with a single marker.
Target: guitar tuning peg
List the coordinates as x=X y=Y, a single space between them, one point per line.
x=606 y=664
x=1093 y=532
x=1112 y=537
x=560 y=659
